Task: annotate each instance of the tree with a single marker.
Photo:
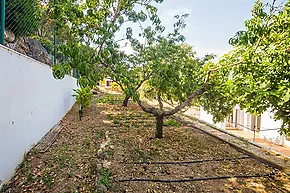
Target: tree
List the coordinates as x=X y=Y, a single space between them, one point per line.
x=174 y=73
x=92 y=26
x=177 y=76
x=261 y=70
x=129 y=72
x=95 y=23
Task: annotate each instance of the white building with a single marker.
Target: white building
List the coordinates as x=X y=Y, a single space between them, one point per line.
x=265 y=125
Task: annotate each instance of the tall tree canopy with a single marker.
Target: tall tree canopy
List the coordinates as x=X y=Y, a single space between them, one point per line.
x=260 y=58
x=95 y=23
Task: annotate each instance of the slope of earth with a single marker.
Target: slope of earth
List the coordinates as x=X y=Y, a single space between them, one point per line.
x=113 y=147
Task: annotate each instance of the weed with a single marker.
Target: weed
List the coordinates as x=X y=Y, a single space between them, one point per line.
x=110 y=153
x=35 y=152
x=100 y=134
x=47 y=180
x=124 y=142
x=64 y=148
x=139 y=155
x=105 y=177
x=69 y=174
x=171 y=122
x=127 y=124
x=4 y=188
x=137 y=125
x=62 y=160
x=24 y=164
x=28 y=177
x=115 y=121
x=109 y=99
x=109 y=116
x=93 y=167
x=86 y=141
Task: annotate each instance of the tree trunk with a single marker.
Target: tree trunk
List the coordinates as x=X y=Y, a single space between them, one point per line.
x=159 y=126
x=125 y=101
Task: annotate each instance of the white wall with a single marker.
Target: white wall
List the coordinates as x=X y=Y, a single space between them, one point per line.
x=209 y=119
x=268 y=122
x=31 y=103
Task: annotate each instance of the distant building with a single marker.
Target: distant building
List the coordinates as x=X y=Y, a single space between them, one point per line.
x=108 y=82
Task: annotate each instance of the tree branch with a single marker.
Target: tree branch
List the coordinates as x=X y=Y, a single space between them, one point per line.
x=160 y=102
x=142 y=81
x=151 y=110
x=187 y=102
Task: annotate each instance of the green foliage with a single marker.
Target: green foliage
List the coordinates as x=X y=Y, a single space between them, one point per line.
x=260 y=81
x=93 y=48
x=105 y=177
x=219 y=99
x=4 y=188
x=83 y=96
x=99 y=135
x=171 y=122
x=47 y=180
x=109 y=99
x=116 y=121
x=60 y=70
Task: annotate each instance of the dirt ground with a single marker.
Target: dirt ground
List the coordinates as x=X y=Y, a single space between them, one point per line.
x=114 y=145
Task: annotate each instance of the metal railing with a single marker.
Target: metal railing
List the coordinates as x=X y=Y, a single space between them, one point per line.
x=254 y=129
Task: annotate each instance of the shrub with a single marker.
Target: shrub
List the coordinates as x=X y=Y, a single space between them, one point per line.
x=171 y=122
x=83 y=96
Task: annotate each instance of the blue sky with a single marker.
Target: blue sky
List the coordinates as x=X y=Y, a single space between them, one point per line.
x=211 y=23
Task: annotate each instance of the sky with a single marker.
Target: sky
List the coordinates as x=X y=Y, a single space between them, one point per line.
x=211 y=23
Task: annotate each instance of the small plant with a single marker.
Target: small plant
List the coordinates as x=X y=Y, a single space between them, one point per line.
x=127 y=125
x=83 y=96
x=115 y=121
x=139 y=155
x=4 y=188
x=100 y=134
x=69 y=174
x=28 y=176
x=105 y=177
x=47 y=180
x=171 y=122
x=137 y=125
x=86 y=141
x=110 y=117
x=110 y=153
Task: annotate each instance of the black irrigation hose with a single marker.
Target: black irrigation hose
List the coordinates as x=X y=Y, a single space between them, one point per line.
x=191 y=162
x=196 y=179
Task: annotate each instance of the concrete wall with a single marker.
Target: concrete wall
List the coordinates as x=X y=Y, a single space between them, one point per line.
x=209 y=119
x=31 y=103
x=268 y=122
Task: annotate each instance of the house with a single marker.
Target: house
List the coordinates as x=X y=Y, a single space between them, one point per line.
x=263 y=126
x=108 y=82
